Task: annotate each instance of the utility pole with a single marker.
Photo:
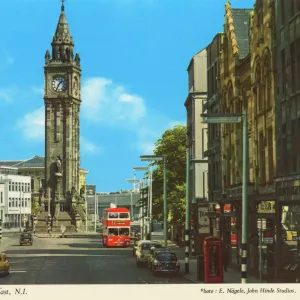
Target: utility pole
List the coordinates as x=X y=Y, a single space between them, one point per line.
x=165 y=204
x=245 y=200
x=187 y=212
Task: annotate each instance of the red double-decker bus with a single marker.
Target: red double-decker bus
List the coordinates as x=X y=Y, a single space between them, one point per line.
x=116 y=227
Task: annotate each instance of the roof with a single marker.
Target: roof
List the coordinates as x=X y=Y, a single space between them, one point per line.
x=241 y=19
x=117 y=209
x=34 y=162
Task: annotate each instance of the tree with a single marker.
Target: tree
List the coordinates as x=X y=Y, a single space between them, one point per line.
x=173 y=145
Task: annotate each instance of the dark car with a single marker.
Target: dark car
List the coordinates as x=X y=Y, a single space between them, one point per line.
x=154 y=249
x=26 y=239
x=166 y=262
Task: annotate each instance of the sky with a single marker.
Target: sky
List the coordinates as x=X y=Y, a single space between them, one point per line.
x=134 y=58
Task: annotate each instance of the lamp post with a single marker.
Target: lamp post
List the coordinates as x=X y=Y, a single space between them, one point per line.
x=160 y=158
x=86 y=211
x=134 y=181
x=238 y=118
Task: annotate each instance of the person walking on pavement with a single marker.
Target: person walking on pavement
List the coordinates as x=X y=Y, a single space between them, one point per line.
x=226 y=256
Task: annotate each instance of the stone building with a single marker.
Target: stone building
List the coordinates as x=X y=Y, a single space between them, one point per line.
x=197 y=143
x=213 y=152
x=35 y=168
x=62 y=99
x=235 y=85
x=287 y=182
x=261 y=116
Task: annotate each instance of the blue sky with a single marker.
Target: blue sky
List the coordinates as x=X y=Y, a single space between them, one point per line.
x=133 y=50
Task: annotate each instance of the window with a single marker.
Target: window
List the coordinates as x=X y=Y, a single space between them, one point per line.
x=32 y=184
x=123 y=231
x=22 y=187
x=19 y=187
x=113 y=215
x=9 y=187
x=283 y=73
x=282 y=5
x=13 y=186
x=293 y=67
x=294 y=156
x=270 y=153
x=123 y=215
x=113 y=231
x=297 y=61
x=262 y=159
x=1 y=197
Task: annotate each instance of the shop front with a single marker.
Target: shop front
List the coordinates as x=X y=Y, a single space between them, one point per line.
x=288 y=235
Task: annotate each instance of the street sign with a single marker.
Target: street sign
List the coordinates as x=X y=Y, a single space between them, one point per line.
x=268 y=240
x=221 y=118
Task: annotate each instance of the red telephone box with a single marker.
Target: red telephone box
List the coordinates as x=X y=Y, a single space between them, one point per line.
x=213 y=265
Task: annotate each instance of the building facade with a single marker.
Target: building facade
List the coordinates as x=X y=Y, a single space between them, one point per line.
x=287 y=182
x=35 y=168
x=262 y=137
x=213 y=152
x=197 y=144
x=15 y=198
x=234 y=98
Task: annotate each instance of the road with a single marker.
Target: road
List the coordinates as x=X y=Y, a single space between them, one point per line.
x=76 y=261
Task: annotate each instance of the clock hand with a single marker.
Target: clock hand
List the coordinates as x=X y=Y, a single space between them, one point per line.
x=58 y=85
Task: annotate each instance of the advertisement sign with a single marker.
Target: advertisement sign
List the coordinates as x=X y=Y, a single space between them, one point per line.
x=203 y=220
x=266 y=207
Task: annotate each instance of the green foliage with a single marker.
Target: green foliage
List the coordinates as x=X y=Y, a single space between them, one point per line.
x=173 y=145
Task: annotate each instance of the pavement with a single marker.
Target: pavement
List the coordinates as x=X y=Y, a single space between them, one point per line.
x=76 y=260
x=233 y=274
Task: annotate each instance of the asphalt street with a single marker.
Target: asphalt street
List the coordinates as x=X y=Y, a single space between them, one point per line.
x=76 y=261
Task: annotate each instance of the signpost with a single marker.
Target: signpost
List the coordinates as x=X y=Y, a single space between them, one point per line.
x=238 y=118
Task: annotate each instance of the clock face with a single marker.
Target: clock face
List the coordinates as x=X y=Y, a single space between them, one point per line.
x=59 y=84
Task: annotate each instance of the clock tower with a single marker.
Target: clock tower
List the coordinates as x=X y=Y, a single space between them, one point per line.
x=62 y=100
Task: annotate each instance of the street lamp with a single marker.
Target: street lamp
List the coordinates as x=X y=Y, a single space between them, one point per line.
x=134 y=181
x=238 y=118
x=160 y=158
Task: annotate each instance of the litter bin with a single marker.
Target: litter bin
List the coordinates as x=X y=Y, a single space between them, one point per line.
x=200 y=267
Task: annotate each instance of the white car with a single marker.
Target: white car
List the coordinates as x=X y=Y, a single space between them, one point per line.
x=143 y=251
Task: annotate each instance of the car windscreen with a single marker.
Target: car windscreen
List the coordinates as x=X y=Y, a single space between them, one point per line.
x=26 y=235
x=146 y=246
x=166 y=256
x=158 y=246
x=124 y=231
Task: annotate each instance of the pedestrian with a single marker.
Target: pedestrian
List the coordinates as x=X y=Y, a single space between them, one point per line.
x=226 y=256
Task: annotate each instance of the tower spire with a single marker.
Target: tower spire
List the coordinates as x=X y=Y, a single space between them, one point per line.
x=62 y=5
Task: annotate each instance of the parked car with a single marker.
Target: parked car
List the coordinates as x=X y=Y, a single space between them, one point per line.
x=165 y=261
x=4 y=264
x=153 y=252
x=26 y=239
x=143 y=250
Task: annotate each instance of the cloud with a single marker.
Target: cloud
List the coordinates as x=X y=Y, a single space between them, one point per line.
x=90 y=147
x=8 y=94
x=32 y=125
x=6 y=60
x=105 y=102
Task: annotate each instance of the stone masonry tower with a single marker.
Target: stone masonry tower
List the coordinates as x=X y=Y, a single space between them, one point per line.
x=62 y=106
